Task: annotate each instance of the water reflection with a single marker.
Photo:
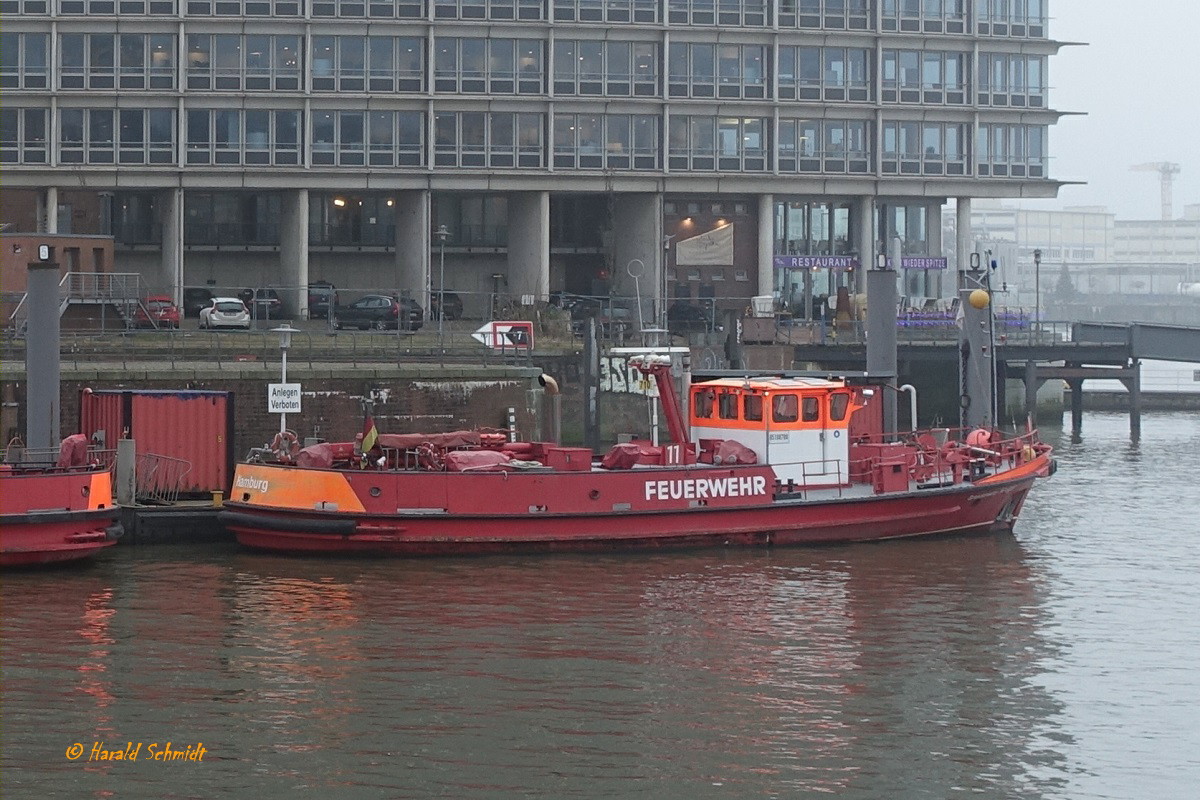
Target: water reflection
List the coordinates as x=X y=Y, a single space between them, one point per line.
x=916 y=669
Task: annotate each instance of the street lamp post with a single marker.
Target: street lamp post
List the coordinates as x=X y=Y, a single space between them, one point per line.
x=443 y=233
x=1037 y=285
x=285 y=341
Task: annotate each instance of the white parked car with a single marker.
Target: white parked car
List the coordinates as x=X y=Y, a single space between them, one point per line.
x=225 y=312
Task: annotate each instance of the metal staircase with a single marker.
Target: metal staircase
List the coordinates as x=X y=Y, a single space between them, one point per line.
x=123 y=292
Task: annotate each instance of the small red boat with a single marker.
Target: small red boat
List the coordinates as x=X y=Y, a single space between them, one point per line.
x=768 y=461
x=56 y=506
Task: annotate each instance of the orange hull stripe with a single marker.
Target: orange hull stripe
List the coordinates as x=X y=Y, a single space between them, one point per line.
x=284 y=487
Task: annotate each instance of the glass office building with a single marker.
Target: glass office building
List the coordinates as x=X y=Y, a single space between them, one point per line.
x=274 y=142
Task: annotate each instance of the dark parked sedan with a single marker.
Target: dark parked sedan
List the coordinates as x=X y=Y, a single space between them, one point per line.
x=380 y=312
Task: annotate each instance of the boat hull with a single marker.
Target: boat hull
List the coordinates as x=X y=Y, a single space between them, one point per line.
x=55 y=515
x=989 y=505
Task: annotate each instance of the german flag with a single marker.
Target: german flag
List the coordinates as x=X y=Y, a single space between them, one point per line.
x=370 y=436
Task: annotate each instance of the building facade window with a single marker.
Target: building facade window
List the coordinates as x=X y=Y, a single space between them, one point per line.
x=488 y=139
x=1011 y=151
x=23 y=135
x=393 y=65
x=146 y=136
x=705 y=70
x=237 y=137
x=368 y=138
x=122 y=7
x=231 y=218
x=727 y=144
x=136 y=219
x=1015 y=80
x=602 y=11
x=339 y=63
x=87 y=136
x=924 y=16
x=23 y=61
x=853 y=15
x=927 y=77
x=924 y=148
x=1016 y=18
x=26 y=7
x=498 y=10
x=88 y=61
x=244 y=8
x=824 y=73
x=489 y=66
x=612 y=68
x=474 y=220
x=606 y=141
x=342 y=221
x=232 y=62
x=737 y=13
x=833 y=146
x=374 y=9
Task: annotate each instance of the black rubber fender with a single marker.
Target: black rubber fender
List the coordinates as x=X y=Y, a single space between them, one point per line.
x=334 y=527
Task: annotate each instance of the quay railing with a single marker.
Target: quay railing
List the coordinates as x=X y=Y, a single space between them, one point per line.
x=159 y=479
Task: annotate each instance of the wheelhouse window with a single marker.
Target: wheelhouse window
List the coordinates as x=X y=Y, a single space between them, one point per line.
x=727 y=406
x=785 y=408
x=811 y=407
x=839 y=403
x=702 y=403
x=752 y=407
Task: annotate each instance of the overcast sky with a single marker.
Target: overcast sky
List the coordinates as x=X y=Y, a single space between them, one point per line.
x=1138 y=80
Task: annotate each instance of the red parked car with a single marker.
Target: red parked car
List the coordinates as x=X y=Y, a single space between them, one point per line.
x=157 y=310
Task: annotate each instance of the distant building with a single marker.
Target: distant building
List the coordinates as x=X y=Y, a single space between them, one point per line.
x=276 y=142
x=1174 y=241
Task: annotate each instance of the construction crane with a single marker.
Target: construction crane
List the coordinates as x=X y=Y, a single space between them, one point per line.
x=1166 y=172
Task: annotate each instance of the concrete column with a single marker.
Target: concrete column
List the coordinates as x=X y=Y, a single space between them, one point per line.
x=766 y=244
x=293 y=250
x=171 y=272
x=638 y=235
x=881 y=335
x=933 y=236
x=963 y=245
x=41 y=357
x=977 y=367
x=529 y=245
x=413 y=224
x=48 y=210
x=865 y=240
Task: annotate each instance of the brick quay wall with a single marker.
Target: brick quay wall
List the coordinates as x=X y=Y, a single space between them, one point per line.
x=407 y=398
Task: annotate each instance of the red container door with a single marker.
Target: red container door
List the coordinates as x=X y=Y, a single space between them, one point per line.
x=191 y=426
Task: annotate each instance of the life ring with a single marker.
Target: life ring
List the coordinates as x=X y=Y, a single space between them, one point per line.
x=430 y=458
x=285 y=444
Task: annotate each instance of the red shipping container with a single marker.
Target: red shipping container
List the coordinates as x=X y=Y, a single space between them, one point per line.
x=191 y=425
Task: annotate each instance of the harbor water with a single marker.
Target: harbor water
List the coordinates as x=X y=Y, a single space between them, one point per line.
x=1056 y=662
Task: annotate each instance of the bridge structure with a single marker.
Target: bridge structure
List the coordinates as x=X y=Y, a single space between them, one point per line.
x=1033 y=352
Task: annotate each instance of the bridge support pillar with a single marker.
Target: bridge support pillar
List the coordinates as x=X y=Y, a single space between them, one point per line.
x=1076 y=386
x=1134 y=384
x=1032 y=384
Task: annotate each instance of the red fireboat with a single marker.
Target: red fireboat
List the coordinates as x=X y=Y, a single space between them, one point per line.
x=765 y=460
x=56 y=506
